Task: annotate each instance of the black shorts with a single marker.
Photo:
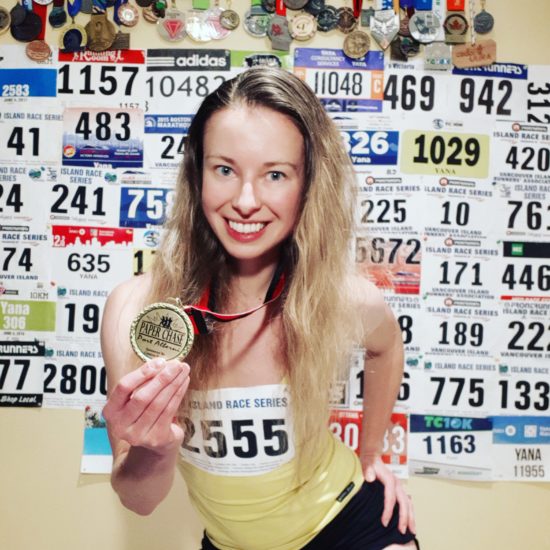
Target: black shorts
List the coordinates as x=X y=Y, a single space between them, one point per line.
x=357 y=526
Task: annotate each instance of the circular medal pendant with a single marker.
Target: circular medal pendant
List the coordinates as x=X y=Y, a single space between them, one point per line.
x=229 y=19
x=424 y=26
x=455 y=25
x=72 y=38
x=162 y=330
x=346 y=20
x=38 y=50
x=29 y=29
x=314 y=6
x=128 y=15
x=197 y=26
x=57 y=17
x=483 y=22
x=327 y=19
x=356 y=44
x=101 y=33
x=295 y=4
x=256 y=24
x=5 y=20
x=302 y=26
x=172 y=27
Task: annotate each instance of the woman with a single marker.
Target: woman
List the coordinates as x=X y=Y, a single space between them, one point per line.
x=264 y=202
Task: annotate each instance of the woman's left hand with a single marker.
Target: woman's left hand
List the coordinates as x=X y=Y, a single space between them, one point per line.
x=374 y=468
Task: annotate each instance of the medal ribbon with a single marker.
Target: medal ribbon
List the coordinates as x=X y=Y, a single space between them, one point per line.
x=73 y=7
x=41 y=11
x=423 y=4
x=118 y=3
x=357 y=7
x=456 y=5
x=280 y=8
x=203 y=310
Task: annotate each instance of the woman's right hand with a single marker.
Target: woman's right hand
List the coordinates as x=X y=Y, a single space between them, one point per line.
x=142 y=407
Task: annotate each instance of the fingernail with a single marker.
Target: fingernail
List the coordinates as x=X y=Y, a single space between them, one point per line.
x=158 y=363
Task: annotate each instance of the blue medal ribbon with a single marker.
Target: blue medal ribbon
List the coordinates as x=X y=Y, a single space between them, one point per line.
x=27 y=4
x=73 y=7
x=406 y=4
x=423 y=4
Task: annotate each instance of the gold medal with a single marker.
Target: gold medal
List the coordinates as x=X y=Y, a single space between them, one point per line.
x=162 y=330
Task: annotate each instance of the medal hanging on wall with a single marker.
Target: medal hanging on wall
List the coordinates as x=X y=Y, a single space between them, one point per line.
x=196 y=24
x=384 y=26
x=327 y=19
x=477 y=54
x=424 y=25
x=25 y=25
x=483 y=21
x=357 y=43
x=123 y=12
x=74 y=37
x=229 y=19
x=347 y=20
x=213 y=16
x=38 y=49
x=126 y=14
x=278 y=30
x=295 y=4
x=256 y=20
x=202 y=22
x=171 y=27
x=58 y=15
x=456 y=27
x=101 y=32
x=165 y=329
x=313 y=7
x=302 y=26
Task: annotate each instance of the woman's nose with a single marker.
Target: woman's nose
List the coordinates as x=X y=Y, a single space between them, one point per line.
x=246 y=202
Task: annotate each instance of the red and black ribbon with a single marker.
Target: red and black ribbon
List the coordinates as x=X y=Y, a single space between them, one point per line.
x=203 y=312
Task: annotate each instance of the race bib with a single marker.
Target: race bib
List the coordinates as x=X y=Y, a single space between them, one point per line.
x=239 y=431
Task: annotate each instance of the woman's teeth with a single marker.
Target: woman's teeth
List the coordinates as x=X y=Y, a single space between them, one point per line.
x=246 y=227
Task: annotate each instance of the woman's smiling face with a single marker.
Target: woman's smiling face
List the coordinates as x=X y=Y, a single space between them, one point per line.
x=252 y=180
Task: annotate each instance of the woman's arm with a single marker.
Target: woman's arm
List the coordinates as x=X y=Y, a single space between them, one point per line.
x=382 y=380
x=141 y=406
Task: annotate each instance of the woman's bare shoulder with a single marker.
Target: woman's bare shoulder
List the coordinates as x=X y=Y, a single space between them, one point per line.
x=369 y=305
x=131 y=292
x=364 y=293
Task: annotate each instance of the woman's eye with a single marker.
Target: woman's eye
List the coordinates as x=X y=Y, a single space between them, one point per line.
x=276 y=176
x=224 y=170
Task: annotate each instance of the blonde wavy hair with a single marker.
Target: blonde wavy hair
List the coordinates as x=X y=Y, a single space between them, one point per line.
x=316 y=316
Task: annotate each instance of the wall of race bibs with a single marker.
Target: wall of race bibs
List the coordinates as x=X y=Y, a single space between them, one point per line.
x=453 y=223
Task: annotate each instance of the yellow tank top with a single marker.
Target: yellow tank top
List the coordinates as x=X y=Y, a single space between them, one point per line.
x=238 y=462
